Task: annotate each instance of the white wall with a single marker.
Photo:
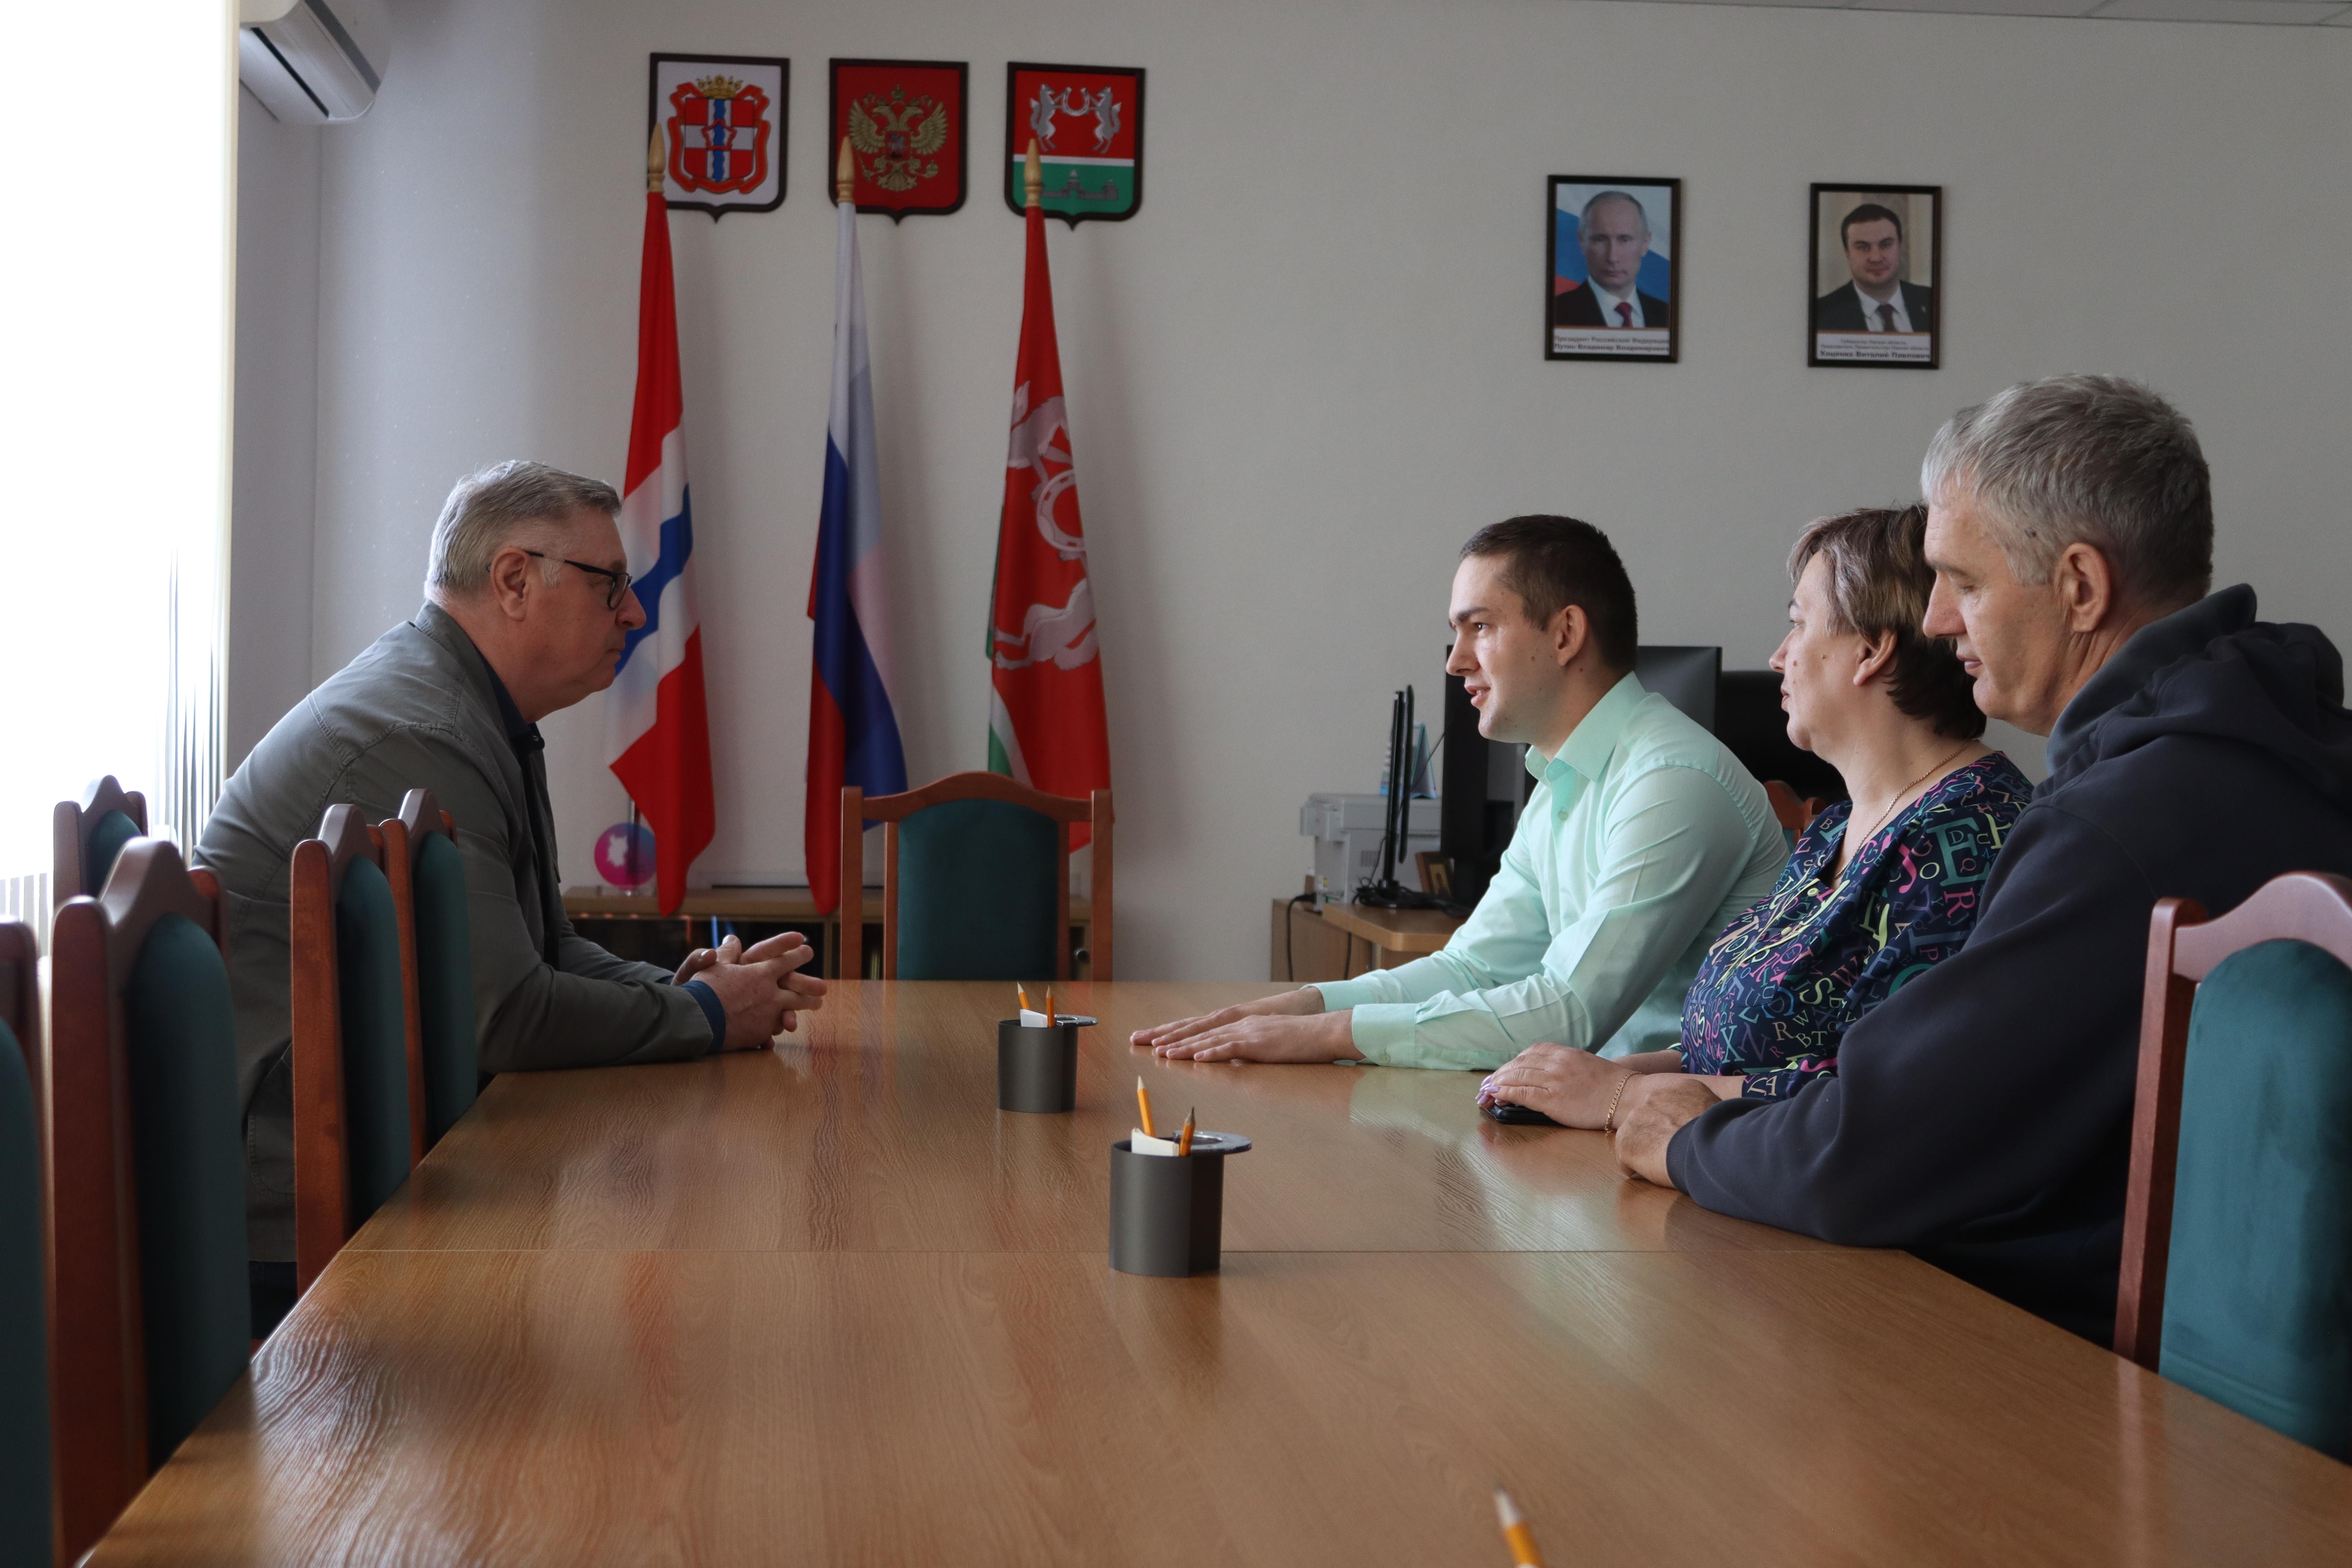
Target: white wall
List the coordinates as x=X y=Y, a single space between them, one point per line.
x=1311 y=366
x=272 y=504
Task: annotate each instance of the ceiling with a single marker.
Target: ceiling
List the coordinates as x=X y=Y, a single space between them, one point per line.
x=2261 y=12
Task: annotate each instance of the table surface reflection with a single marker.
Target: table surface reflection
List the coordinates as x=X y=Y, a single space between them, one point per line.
x=827 y=1304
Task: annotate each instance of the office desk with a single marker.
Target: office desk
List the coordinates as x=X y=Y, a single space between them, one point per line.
x=1301 y=949
x=827 y=1304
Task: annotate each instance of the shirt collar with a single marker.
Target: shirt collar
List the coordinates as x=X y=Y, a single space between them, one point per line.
x=1594 y=740
x=520 y=731
x=1870 y=308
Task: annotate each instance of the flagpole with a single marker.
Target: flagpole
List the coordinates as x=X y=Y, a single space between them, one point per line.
x=844 y=175
x=1032 y=177
x=653 y=162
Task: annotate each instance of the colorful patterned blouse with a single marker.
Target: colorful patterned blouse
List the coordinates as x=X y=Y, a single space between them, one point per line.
x=1786 y=980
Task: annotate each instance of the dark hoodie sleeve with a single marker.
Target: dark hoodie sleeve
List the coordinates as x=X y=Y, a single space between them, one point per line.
x=1986 y=1082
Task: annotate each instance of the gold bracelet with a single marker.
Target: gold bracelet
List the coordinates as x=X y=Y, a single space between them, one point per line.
x=1608 y=1121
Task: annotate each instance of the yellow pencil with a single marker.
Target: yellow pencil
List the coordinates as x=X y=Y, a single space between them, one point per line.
x=1184 y=1139
x=1143 y=1104
x=1023 y=992
x=1514 y=1532
x=1049 y=1006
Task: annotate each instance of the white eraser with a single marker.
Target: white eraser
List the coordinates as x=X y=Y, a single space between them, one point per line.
x=1144 y=1143
x=1032 y=1019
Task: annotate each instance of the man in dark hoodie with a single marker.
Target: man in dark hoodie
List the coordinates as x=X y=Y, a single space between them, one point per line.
x=1980 y=1116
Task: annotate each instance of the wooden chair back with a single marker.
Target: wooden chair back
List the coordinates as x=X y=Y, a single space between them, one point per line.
x=1793 y=813
x=890 y=810
x=441 y=1072
x=97 y=1346
x=72 y=827
x=330 y=1130
x=2183 y=948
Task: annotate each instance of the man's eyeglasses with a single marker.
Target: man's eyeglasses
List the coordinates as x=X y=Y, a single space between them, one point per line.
x=616 y=583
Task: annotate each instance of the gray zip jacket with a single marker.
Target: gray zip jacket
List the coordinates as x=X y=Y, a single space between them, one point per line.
x=419 y=708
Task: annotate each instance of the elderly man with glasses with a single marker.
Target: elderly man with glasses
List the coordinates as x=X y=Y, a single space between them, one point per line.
x=527 y=611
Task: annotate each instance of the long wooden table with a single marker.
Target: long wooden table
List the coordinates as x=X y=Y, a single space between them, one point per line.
x=827 y=1304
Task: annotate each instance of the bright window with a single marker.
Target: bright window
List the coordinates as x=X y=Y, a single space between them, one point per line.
x=114 y=413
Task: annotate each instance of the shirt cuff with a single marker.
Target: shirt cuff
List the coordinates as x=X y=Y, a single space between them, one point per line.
x=712 y=1009
x=1339 y=993
x=1383 y=1031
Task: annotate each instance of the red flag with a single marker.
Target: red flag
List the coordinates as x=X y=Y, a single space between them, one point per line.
x=656 y=731
x=1046 y=721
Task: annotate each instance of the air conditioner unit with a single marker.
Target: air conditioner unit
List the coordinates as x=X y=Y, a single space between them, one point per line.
x=311 y=61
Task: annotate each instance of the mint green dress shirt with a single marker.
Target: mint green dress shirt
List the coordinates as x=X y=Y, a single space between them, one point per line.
x=1642 y=841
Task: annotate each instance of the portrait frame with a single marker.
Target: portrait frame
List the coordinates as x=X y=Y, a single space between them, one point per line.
x=1831 y=343
x=1565 y=272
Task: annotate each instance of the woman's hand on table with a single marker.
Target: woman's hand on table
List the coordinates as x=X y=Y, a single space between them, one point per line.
x=1571 y=1086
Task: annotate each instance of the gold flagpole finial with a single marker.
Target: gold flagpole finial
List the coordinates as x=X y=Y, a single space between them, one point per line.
x=844 y=175
x=653 y=160
x=1032 y=177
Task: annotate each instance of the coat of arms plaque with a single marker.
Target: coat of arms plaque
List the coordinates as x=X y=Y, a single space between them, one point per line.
x=1088 y=122
x=722 y=122
x=905 y=124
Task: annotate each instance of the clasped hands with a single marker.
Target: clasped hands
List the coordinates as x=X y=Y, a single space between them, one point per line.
x=760 y=986
x=1576 y=1089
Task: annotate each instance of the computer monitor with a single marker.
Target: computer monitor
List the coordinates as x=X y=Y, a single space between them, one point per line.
x=1685 y=676
x=1754 y=727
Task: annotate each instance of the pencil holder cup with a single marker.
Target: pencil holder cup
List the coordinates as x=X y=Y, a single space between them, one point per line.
x=1036 y=1067
x=1167 y=1211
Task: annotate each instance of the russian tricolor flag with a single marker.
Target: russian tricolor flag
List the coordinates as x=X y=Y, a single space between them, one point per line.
x=657 y=732
x=852 y=725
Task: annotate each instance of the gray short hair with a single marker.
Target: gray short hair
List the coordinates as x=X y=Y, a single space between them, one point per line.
x=1640 y=211
x=513 y=502
x=2093 y=459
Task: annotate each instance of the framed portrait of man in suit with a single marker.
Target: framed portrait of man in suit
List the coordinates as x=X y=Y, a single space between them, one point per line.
x=1612 y=287
x=1876 y=297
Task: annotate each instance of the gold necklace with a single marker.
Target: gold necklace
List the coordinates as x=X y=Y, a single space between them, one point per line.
x=1853 y=846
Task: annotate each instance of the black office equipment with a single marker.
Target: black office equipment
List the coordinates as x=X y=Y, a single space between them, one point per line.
x=1754 y=727
x=1388 y=893
x=1685 y=676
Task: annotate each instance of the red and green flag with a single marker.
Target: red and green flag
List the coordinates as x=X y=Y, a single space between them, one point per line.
x=1046 y=723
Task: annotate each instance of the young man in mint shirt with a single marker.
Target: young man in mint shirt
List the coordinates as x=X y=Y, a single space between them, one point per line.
x=1643 y=839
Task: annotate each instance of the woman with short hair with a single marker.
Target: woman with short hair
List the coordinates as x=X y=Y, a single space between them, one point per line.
x=1877 y=888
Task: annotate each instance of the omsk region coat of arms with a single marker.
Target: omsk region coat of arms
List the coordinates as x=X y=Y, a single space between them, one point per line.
x=722 y=122
x=1088 y=122
x=904 y=122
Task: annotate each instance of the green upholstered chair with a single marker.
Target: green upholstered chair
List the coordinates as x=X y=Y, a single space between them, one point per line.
x=355 y=1137
x=25 y=1536
x=432 y=901
x=976 y=879
x=2237 y=1261
x=88 y=835
x=149 y=1307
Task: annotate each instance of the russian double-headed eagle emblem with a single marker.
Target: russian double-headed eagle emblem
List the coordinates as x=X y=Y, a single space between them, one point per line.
x=903 y=120
x=898 y=139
